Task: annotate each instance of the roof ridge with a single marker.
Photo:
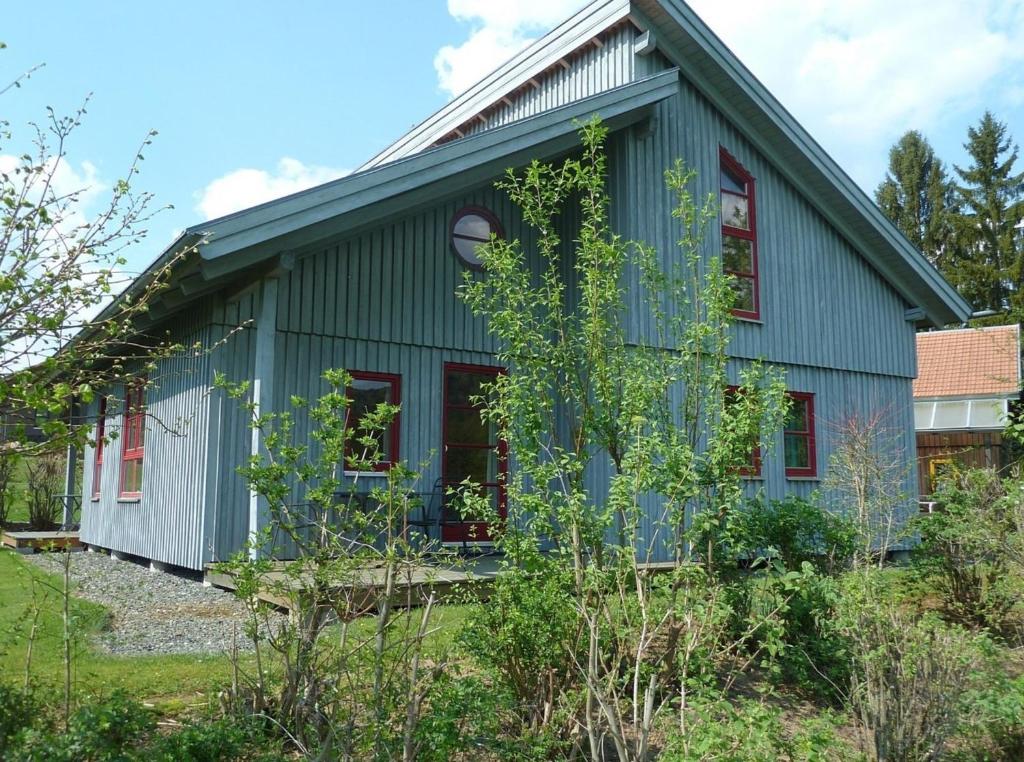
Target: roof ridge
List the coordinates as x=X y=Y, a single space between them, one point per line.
x=531 y=61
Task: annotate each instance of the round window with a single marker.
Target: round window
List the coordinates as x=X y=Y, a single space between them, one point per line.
x=472 y=227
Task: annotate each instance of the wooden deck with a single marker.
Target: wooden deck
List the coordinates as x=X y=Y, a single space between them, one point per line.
x=472 y=579
x=29 y=542
x=413 y=583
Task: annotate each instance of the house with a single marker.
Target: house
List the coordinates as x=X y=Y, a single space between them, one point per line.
x=967 y=381
x=360 y=273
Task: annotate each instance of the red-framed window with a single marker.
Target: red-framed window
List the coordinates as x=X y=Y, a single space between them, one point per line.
x=133 y=436
x=798 y=437
x=101 y=433
x=752 y=468
x=739 y=235
x=470 y=449
x=365 y=392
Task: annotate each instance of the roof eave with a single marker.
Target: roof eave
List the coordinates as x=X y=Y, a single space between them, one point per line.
x=271 y=228
x=705 y=52
x=595 y=18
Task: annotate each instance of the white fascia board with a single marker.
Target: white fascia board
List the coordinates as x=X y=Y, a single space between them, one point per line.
x=518 y=71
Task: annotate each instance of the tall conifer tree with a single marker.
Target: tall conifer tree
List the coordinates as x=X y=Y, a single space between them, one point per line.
x=989 y=271
x=918 y=196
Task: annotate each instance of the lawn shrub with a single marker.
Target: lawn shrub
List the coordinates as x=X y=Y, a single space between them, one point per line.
x=118 y=728
x=528 y=635
x=19 y=712
x=217 y=740
x=908 y=674
x=971 y=549
x=794 y=547
x=793 y=531
x=470 y=717
x=750 y=731
x=45 y=477
x=101 y=731
x=9 y=464
x=993 y=720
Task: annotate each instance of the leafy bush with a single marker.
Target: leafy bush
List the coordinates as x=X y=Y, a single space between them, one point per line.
x=229 y=738
x=8 y=493
x=971 y=548
x=908 y=674
x=793 y=596
x=45 y=478
x=793 y=531
x=993 y=724
x=750 y=731
x=527 y=635
x=119 y=728
x=98 y=732
x=19 y=712
x=469 y=717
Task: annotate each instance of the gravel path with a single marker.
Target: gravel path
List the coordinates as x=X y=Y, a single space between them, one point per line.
x=153 y=612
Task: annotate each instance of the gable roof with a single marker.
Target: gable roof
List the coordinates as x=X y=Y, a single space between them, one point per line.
x=259 y=236
x=706 y=62
x=416 y=165
x=529 y=63
x=969 y=362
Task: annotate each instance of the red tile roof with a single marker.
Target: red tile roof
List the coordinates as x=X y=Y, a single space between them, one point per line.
x=969 y=362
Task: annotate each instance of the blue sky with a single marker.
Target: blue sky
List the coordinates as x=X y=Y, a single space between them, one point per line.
x=263 y=98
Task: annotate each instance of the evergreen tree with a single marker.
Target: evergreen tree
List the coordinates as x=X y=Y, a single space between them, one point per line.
x=918 y=197
x=989 y=271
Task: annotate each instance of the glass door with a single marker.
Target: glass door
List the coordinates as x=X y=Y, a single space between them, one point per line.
x=471 y=450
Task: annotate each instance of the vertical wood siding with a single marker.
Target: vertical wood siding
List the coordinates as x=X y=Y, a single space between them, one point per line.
x=822 y=304
x=591 y=70
x=383 y=300
x=166 y=523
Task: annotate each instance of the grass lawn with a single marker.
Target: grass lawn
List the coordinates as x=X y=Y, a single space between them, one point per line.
x=18 y=510
x=167 y=681
x=171 y=683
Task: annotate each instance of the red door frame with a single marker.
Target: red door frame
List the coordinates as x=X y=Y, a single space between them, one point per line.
x=470 y=531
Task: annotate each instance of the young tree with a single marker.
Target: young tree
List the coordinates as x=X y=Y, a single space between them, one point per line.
x=60 y=264
x=917 y=195
x=989 y=270
x=585 y=394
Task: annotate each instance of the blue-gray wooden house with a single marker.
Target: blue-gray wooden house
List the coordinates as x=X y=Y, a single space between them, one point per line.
x=361 y=274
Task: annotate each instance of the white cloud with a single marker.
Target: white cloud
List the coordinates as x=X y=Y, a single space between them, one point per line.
x=76 y=187
x=858 y=73
x=246 y=187
x=499 y=31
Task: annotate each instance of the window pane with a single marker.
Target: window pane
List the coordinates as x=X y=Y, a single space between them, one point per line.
x=473 y=226
x=466 y=427
x=463 y=384
x=476 y=464
x=950 y=415
x=365 y=395
x=796 y=417
x=466 y=249
x=132 y=476
x=797 y=452
x=744 y=290
x=734 y=211
x=737 y=254
x=733 y=183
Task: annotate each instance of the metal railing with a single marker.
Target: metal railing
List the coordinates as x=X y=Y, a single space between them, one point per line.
x=70 y=511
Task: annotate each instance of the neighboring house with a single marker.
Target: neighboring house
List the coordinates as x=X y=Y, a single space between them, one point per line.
x=361 y=274
x=966 y=382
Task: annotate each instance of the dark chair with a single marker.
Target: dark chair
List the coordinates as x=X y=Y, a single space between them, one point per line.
x=427 y=516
